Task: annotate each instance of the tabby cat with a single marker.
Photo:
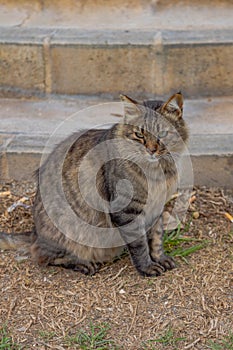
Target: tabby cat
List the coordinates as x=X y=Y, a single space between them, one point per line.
x=102 y=190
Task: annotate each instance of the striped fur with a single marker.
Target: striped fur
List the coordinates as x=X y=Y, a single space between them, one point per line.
x=130 y=213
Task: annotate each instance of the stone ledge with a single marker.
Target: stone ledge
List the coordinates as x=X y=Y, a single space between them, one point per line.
x=75 y=61
x=99 y=38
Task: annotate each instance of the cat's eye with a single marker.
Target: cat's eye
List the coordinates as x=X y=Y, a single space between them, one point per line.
x=162 y=133
x=139 y=135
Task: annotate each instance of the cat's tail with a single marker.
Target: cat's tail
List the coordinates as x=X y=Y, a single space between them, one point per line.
x=17 y=241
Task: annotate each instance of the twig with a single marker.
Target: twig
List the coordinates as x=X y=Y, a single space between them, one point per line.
x=229 y=216
x=12 y=306
x=133 y=319
x=192 y=344
x=122 y=269
x=5 y=193
x=28 y=326
x=57 y=347
x=118 y=115
x=42 y=305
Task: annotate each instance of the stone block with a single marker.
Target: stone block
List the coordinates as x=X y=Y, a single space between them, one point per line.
x=198 y=69
x=107 y=69
x=22 y=67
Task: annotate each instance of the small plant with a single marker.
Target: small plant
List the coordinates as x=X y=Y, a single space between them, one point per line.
x=175 y=243
x=225 y=344
x=168 y=338
x=46 y=335
x=94 y=339
x=6 y=342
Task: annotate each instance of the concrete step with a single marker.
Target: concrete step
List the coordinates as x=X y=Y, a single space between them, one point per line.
x=26 y=126
x=115 y=14
x=142 y=47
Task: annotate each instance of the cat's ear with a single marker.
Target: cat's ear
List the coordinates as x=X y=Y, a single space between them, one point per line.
x=131 y=108
x=127 y=99
x=174 y=106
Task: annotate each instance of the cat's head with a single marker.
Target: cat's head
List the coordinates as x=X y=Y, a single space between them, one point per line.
x=157 y=126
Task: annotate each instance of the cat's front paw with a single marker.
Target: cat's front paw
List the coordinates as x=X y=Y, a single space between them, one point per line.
x=167 y=262
x=153 y=269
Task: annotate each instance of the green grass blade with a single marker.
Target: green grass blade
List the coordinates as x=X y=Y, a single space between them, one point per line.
x=183 y=252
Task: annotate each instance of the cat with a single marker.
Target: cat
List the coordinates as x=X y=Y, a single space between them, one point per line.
x=102 y=190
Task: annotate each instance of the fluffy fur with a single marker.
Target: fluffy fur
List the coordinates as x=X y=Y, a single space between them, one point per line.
x=136 y=175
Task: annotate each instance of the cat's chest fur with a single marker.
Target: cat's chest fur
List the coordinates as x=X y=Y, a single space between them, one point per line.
x=160 y=190
x=147 y=189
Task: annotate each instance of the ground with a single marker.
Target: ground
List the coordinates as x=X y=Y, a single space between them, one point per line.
x=190 y=307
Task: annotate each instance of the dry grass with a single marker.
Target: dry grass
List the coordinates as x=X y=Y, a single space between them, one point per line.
x=187 y=308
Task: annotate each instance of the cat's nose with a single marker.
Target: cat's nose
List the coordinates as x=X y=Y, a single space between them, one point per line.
x=152 y=149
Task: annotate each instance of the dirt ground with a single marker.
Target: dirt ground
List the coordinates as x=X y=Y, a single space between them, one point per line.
x=190 y=307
